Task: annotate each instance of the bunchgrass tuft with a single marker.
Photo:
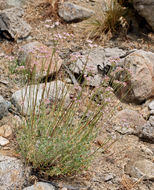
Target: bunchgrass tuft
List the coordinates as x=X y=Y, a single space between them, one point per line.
x=106 y=21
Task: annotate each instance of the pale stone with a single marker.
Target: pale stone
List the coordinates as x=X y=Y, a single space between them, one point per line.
x=71 y=12
x=54 y=91
x=3 y=141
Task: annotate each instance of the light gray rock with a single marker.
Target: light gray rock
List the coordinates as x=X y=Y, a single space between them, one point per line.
x=88 y=61
x=140 y=78
x=141 y=168
x=97 y=56
x=23 y=99
x=152 y=112
x=147 y=131
x=124 y=130
x=71 y=12
x=146 y=150
x=41 y=186
x=114 y=52
x=16 y=3
x=11 y=21
x=12 y=173
x=151 y=121
x=5 y=4
x=3 y=141
x=108 y=177
x=145 y=9
x=151 y=105
x=4 y=106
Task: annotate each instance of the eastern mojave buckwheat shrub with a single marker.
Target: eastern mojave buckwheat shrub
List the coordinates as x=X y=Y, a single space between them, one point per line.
x=56 y=140
x=58 y=143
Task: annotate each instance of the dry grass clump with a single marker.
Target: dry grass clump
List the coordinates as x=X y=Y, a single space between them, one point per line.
x=106 y=20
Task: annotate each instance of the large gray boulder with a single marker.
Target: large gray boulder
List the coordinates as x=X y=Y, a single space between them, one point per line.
x=54 y=91
x=11 y=21
x=71 y=12
x=12 y=173
x=146 y=9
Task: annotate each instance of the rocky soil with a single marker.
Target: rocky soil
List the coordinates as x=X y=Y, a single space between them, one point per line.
x=126 y=162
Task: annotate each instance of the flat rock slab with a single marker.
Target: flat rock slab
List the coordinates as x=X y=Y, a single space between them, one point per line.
x=89 y=60
x=131 y=118
x=54 y=91
x=141 y=168
x=11 y=21
x=41 y=186
x=12 y=173
x=71 y=12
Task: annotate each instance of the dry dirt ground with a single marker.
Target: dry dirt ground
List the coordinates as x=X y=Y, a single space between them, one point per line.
x=111 y=158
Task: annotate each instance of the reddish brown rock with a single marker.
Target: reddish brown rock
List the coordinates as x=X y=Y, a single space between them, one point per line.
x=38 y=57
x=140 y=83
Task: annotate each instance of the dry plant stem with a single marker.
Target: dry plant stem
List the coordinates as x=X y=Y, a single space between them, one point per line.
x=61 y=119
x=70 y=74
x=47 y=75
x=128 y=185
